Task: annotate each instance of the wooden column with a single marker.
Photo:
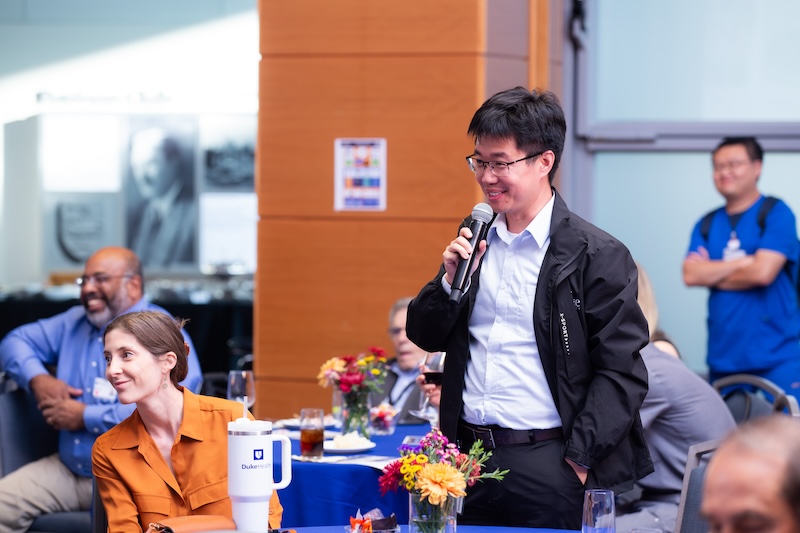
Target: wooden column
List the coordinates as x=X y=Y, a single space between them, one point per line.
x=411 y=72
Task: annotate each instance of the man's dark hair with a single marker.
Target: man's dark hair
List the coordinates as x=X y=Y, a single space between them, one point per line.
x=533 y=119
x=754 y=150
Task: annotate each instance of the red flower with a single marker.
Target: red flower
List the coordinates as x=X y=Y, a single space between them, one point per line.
x=471 y=468
x=377 y=351
x=391 y=478
x=350 y=380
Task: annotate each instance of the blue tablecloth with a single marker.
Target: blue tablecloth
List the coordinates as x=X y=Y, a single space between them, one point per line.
x=461 y=529
x=323 y=494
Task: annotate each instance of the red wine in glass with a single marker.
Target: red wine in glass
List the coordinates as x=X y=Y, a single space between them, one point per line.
x=433 y=378
x=433 y=368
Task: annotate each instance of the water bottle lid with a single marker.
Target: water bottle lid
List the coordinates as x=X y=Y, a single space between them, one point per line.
x=245 y=426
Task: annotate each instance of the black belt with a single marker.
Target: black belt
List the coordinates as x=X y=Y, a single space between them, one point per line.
x=493 y=437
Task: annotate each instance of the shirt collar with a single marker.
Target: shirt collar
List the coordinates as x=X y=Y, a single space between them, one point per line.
x=191 y=426
x=410 y=372
x=538 y=228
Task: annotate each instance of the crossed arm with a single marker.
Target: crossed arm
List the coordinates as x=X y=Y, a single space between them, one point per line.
x=751 y=271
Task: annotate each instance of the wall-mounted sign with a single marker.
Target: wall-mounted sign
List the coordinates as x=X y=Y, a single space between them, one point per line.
x=359 y=175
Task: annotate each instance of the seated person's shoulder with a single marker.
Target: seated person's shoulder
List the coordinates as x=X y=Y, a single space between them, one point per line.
x=662 y=341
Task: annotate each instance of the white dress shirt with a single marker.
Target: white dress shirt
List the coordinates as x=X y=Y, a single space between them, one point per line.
x=505 y=383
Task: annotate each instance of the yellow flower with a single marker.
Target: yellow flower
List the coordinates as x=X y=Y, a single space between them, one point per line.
x=437 y=481
x=332 y=365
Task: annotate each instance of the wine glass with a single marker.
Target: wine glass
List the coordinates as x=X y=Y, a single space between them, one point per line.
x=433 y=367
x=242 y=386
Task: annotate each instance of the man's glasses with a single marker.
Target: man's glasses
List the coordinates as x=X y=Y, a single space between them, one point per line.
x=98 y=279
x=498 y=168
x=394 y=332
x=730 y=165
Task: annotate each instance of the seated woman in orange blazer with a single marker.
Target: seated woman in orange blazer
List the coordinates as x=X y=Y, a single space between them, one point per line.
x=170 y=457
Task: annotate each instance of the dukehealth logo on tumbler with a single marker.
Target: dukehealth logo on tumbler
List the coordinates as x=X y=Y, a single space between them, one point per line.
x=258 y=455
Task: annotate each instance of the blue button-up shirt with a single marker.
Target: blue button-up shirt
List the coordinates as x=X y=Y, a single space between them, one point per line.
x=71 y=343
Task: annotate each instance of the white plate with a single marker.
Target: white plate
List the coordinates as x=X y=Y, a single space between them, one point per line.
x=294 y=423
x=330 y=447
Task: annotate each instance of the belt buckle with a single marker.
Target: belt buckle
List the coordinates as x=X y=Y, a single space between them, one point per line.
x=490 y=444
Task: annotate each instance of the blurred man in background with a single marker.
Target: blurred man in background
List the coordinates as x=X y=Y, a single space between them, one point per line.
x=752 y=483
x=747 y=254
x=399 y=388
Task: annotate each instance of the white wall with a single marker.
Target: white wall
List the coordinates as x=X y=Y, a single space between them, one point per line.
x=193 y=56
x=657 y=85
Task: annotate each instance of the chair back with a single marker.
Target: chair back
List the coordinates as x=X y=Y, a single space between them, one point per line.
x=99 y=519
x=26 y=437
x=749 y=396
x=689 y=518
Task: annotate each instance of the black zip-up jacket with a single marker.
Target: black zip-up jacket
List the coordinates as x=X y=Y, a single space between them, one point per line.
x=589 y=329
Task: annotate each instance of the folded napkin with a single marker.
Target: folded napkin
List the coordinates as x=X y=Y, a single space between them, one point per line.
x=373 y=461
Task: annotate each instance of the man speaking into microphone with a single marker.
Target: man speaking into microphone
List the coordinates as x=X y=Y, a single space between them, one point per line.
x=542 y=337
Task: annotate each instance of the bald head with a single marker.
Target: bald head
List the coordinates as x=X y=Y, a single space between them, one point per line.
x=112 y=282
x=753 y=479
x=118 y=255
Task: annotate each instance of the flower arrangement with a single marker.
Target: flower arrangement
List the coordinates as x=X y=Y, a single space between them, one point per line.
x=435 y=473
x=355 y=376
x=383 y=419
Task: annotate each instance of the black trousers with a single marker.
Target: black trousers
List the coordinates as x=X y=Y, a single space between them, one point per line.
x=541 y=489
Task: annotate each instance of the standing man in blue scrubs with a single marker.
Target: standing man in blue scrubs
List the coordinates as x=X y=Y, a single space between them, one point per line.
x=746 y=253
x=78 y=400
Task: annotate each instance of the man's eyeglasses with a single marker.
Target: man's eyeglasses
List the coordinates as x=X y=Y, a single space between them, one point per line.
x=730 y=165
x=394 y=332
x=498 y=168
x=98 y=279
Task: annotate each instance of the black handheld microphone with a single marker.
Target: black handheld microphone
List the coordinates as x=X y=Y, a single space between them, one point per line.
x=481 y=216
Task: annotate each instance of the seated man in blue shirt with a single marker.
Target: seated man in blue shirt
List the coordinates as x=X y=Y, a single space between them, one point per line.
x=78 y=401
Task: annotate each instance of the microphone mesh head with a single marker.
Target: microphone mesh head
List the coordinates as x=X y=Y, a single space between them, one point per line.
x=482 y=212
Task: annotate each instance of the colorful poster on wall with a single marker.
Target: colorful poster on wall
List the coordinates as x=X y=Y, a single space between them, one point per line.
x=359 y=175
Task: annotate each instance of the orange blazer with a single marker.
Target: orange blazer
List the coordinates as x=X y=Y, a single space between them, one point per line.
x=136 y=484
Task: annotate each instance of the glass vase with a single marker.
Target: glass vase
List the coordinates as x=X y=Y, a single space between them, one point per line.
x=336 y=407
x=424 y=517
x=355 y=413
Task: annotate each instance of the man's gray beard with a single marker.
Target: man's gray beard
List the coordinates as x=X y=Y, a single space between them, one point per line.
x=99 y=320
